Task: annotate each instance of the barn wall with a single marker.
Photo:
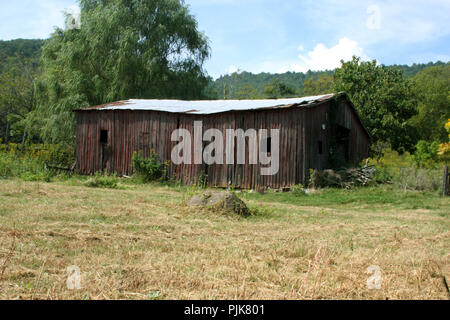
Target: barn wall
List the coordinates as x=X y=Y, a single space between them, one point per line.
x=300 y=131
x=316 y=117
x=359 y=140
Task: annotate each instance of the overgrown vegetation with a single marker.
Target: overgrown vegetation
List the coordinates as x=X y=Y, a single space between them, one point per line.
x=150 y=168
x=30 y=163
x=420 y=171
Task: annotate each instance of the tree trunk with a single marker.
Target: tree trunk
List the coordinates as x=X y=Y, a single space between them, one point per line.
x=445 y=182
x=24 y=138
x=7 y=132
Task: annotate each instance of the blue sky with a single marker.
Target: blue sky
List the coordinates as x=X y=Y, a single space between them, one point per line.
x=284 y=35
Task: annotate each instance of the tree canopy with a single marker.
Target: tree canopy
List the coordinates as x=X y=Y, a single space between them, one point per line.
x=432 y=86
x=321 y=84
x=124 y=49
x=384 y=99
x=19 y=66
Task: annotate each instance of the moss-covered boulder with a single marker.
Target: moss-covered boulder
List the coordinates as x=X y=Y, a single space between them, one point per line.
x=224 y=201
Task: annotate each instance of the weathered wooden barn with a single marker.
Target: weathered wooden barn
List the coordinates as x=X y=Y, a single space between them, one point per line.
x=315 y=133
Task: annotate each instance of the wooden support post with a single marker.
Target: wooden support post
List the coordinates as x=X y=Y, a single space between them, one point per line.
x=445 y=182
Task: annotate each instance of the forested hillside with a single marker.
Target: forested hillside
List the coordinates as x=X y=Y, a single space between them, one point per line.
x=21 y=49
x=248 y=85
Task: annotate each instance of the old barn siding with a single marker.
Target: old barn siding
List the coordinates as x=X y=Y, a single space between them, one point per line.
x=138 y=130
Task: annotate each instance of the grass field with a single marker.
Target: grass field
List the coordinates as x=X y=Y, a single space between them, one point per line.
x=143 y=242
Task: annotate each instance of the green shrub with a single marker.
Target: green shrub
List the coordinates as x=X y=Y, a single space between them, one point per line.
x=261 y=211
x=417 y=178
x=298 y=190
x=102 y=181
x=391 y=158
x=149 y=169
x=5 y=167
x=381 y=175
x=426 y=154
x=416 y=172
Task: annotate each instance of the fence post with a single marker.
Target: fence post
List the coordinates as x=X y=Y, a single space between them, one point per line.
x=445 y=182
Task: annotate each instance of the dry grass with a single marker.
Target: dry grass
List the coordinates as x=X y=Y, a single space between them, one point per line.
x=144 y=243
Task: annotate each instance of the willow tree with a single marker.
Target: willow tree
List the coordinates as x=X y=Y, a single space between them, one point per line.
x=122 y=49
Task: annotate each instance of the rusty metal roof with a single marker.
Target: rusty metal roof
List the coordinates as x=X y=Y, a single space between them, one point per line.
x=209 y=106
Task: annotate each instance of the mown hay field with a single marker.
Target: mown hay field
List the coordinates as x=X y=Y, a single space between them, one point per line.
x=144 y=242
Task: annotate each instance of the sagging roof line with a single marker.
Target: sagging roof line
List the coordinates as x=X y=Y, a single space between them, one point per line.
x=208 y=106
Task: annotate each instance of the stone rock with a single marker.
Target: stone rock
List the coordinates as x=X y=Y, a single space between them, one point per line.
x=220 y=200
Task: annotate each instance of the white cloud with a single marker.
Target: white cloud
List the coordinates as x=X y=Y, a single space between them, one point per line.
x=319 y=59
x=323 y=58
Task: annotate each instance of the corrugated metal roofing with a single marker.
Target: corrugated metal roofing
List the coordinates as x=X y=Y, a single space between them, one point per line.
x=208 y=106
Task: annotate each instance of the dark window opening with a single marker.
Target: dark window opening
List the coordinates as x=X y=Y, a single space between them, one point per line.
x=104 y=136
x=269 y=145
x=320 y=147
x=343 y=142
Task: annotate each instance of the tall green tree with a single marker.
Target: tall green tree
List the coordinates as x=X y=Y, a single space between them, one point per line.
x=433 y=90
x=124 y=49
x=384 y=99
x=278 y=89
x=17 y=98
x=247 y=92
x=322 y=84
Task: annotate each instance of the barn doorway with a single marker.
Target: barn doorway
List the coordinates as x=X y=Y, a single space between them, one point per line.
x=204 y=171
x=105 y=150
x=342 y=144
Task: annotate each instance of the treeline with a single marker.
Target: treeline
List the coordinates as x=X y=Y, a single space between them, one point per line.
x=247 y=85
x=152 y=49
x=19 y=50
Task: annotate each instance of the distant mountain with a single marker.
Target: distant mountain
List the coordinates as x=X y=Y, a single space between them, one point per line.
x=231 y=86
x=20 y=49
x=228 y=85
x=411 y=71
